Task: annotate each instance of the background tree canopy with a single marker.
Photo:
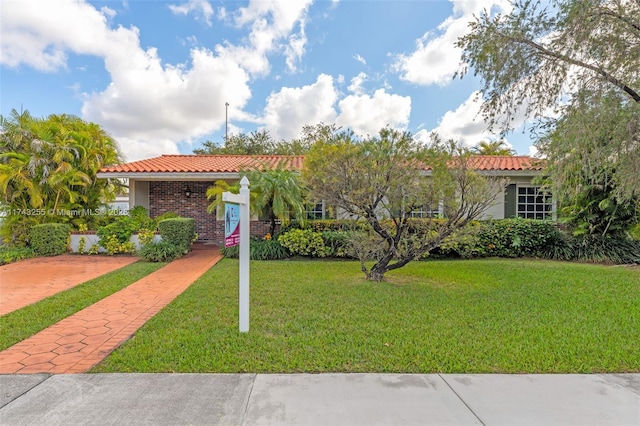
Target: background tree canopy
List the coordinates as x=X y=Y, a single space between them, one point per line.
x=261 y=142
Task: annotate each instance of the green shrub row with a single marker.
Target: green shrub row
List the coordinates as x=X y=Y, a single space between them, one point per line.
x=502 y=238
x=510 y=238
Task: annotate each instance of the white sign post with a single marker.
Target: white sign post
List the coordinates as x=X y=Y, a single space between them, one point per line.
x=243 y=200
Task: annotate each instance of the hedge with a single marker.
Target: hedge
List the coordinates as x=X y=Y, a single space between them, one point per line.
x=49 y=239
x=180 y=232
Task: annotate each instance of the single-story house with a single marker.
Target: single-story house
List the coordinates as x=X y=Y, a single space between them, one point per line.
x=178 y=183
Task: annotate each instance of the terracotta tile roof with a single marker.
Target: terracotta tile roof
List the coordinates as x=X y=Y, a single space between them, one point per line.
x=237 y=163
x=207 y=164
x=506 y=163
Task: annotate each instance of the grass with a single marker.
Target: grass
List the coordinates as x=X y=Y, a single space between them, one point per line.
x=482 y=316
x=25 y=322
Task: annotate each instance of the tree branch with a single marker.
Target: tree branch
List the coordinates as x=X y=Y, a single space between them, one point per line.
x=607 y=76
x=624 y=19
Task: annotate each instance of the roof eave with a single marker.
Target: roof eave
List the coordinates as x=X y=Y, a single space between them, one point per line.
x=164 y=176
x=505 y=173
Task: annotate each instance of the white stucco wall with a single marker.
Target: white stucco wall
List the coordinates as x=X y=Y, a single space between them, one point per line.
x=91 y=239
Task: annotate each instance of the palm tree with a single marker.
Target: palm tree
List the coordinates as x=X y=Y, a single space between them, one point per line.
x=499 y=147
x=51 y=163
x=279 y=195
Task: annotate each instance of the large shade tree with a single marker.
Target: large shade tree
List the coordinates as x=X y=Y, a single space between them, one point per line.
x=383 y=180
x=575 y=65
x=48 y=167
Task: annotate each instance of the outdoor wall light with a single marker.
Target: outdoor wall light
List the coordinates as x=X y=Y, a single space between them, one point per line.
x=187 y=192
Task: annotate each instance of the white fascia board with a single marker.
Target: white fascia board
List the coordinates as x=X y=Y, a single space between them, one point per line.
x=169 y=176
x=500 y=173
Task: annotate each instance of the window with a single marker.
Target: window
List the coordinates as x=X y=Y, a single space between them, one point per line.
x=427 y=211
x=534 y=203
x=316 y=211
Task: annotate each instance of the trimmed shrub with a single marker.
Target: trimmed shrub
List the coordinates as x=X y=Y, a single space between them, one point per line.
x=518 y=237
x=167 y=215
x=180 y=232
x=464 y=244
x=303 y=242
x=161 y=251
x=507 y=238
x=49 y=239
x=336 y=243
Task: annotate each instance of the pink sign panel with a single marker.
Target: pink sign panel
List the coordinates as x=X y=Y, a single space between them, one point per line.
x=231 y=225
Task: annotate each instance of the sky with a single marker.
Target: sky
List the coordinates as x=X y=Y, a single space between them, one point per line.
x=157 y=75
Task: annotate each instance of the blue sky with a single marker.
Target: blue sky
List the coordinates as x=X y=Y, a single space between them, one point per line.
x=157 y=74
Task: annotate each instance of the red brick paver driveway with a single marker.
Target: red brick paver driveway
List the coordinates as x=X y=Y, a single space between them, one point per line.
x=79 y=342
x=28 y=281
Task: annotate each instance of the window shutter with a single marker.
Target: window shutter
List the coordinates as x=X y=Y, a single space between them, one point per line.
x=510 y=197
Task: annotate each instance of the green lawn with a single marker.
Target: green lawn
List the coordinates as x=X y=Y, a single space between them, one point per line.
x=18 y=325
x=511 y=316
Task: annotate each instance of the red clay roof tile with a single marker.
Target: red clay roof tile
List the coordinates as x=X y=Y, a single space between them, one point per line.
x=505 y=163
x=207 y=164
x=237 y=163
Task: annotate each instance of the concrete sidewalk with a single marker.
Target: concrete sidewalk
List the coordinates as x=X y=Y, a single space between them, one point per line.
x=320 y=399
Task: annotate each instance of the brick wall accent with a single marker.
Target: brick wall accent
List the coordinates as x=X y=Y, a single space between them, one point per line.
x=257 y=228
x=166 y=196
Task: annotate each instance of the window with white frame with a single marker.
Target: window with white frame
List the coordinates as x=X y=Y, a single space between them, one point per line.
x=534 y=203
x=427 y=211
x=315 y=211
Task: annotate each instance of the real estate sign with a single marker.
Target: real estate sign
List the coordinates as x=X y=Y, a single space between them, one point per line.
x=231 y=225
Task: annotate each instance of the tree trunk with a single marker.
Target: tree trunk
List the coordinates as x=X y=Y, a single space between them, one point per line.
x=376 y=273
x=272 y=226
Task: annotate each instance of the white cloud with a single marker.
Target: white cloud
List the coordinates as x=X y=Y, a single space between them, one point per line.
x=436 y=58
x=295 y=49
x=141 y=148
x=148 y=102
x=360 y=59
x=38 y=34
x=291 y=108
x=151 y=106
x=465 y=124
x=201 y=8
x=357 y=82
x=366 y=115
x=271 y=21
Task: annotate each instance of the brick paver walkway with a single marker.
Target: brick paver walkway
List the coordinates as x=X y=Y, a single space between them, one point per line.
x=79 y=342
x=28 y=281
